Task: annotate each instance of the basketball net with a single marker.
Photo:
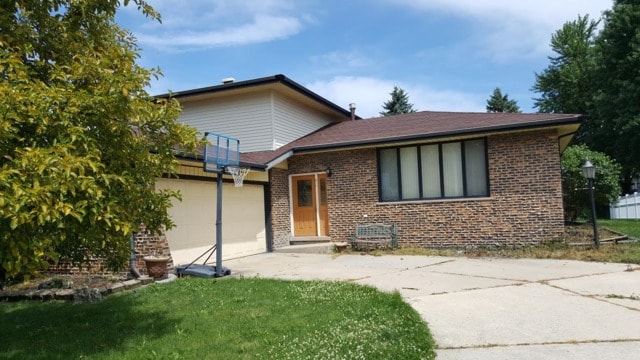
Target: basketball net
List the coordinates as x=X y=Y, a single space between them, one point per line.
x=238 y=174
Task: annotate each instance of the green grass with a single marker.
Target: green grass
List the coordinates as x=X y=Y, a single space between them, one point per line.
x=221 y=319
x=629 y=227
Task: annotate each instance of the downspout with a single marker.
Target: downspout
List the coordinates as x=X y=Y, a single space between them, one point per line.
x=132 y=264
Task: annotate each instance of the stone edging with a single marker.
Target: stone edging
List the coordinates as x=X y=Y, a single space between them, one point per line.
x=70 y=294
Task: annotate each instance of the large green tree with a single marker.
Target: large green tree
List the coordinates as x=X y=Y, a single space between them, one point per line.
x=615 y=125
x=566 y=85
x=81 y=141
x=499 y=103
x=398 y=104
x=598 y=74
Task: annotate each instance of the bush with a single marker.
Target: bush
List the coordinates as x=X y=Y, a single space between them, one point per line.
x=574 y=186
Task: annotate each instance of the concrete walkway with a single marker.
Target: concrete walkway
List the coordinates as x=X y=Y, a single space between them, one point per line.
x=492 y=308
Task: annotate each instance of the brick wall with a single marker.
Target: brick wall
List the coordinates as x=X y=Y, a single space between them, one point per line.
x=525 y=205
x=145 y=244
x=280 y=219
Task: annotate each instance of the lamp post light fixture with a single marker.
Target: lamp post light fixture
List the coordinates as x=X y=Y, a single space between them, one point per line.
x=589 y=172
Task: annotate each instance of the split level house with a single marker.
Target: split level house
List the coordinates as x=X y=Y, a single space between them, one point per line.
x=445 y=179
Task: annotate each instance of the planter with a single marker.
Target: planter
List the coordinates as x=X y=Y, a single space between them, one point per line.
x=340 y=246
x=156 y=266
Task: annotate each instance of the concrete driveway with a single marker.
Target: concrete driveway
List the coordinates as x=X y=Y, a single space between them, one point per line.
x=492 y=308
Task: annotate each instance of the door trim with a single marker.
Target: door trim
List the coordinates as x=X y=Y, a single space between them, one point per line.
x=317 y=199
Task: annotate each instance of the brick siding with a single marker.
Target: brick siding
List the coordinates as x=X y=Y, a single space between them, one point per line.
x=524 y=207
x=145 y=244
x=280 y=219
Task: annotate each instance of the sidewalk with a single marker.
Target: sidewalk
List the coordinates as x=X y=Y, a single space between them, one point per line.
x=492 y=308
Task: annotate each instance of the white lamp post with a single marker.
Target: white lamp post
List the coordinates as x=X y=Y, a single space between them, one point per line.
x=589 y=172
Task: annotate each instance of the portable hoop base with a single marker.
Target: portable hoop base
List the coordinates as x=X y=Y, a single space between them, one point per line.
x=202 y=271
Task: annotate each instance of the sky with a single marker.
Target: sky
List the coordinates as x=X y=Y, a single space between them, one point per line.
x=448 y=55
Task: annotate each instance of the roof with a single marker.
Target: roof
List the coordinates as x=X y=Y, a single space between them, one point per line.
x=416 y=126
x=278 y=82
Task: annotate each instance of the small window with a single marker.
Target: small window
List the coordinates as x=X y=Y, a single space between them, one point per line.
x=447 y=170
x=323 y=192
x=304 y=193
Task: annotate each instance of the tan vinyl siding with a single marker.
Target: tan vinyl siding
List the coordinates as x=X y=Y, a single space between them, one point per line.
x=246 y=117
x=293 y=121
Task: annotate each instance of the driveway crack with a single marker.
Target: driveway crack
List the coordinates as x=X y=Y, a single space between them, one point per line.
x=568 y=342
x=596 y=297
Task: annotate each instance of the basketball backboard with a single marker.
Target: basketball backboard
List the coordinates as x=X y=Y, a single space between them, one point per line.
x=220 y=152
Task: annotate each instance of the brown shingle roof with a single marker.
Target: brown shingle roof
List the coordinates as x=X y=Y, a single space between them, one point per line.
x=407 y=127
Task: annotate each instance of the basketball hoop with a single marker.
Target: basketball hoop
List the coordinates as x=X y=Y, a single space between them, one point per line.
x=238 y=174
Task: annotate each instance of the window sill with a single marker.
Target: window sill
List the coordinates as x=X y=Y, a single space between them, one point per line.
x=431 y=201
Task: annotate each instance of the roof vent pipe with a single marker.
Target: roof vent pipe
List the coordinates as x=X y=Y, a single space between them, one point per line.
x=352 y=107
x=228 y=80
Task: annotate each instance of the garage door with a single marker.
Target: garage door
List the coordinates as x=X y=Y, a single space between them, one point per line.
x=243 y=219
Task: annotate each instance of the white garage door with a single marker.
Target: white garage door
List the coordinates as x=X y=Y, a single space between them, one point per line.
x=243 y=220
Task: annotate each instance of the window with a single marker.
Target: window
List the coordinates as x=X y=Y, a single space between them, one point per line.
x=447 y=170
x=304 y=193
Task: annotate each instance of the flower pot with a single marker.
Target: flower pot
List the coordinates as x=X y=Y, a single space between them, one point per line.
x=156 y=266
x=340 y=246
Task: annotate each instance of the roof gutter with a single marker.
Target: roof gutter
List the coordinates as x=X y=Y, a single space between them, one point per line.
x=252 y=166
x=278 y=160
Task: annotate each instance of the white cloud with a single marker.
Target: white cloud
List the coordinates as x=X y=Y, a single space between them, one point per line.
x=261 y=29
x=508 y=29
x=370 y=93
x=203 y=24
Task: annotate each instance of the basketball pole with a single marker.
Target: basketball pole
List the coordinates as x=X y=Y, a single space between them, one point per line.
x=219 y=272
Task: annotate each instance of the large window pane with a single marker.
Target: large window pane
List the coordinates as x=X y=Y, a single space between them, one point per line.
x=445 y=170
x=409 y=172
x=476 y=168
x=452 y=169
x=430 y=166
x=389 y=188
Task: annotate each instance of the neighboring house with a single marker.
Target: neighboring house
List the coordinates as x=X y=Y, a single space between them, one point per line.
x=445 y=179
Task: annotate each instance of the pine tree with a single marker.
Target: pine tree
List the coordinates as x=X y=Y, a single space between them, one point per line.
x=499 y=103
x=398 y=104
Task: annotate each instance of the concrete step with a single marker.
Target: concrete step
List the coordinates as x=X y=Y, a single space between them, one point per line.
x=316 y=248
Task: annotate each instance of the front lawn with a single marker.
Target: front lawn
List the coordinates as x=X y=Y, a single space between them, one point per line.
x=221 y=319
x=629 y=227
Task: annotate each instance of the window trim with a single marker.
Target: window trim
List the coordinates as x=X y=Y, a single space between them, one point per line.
x=441 y=170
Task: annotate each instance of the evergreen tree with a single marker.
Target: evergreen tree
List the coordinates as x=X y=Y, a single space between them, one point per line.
x=398 y=104
x=81 y=141
x=499 y=103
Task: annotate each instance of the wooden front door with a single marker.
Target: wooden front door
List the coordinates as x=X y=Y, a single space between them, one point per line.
x=310 y=212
